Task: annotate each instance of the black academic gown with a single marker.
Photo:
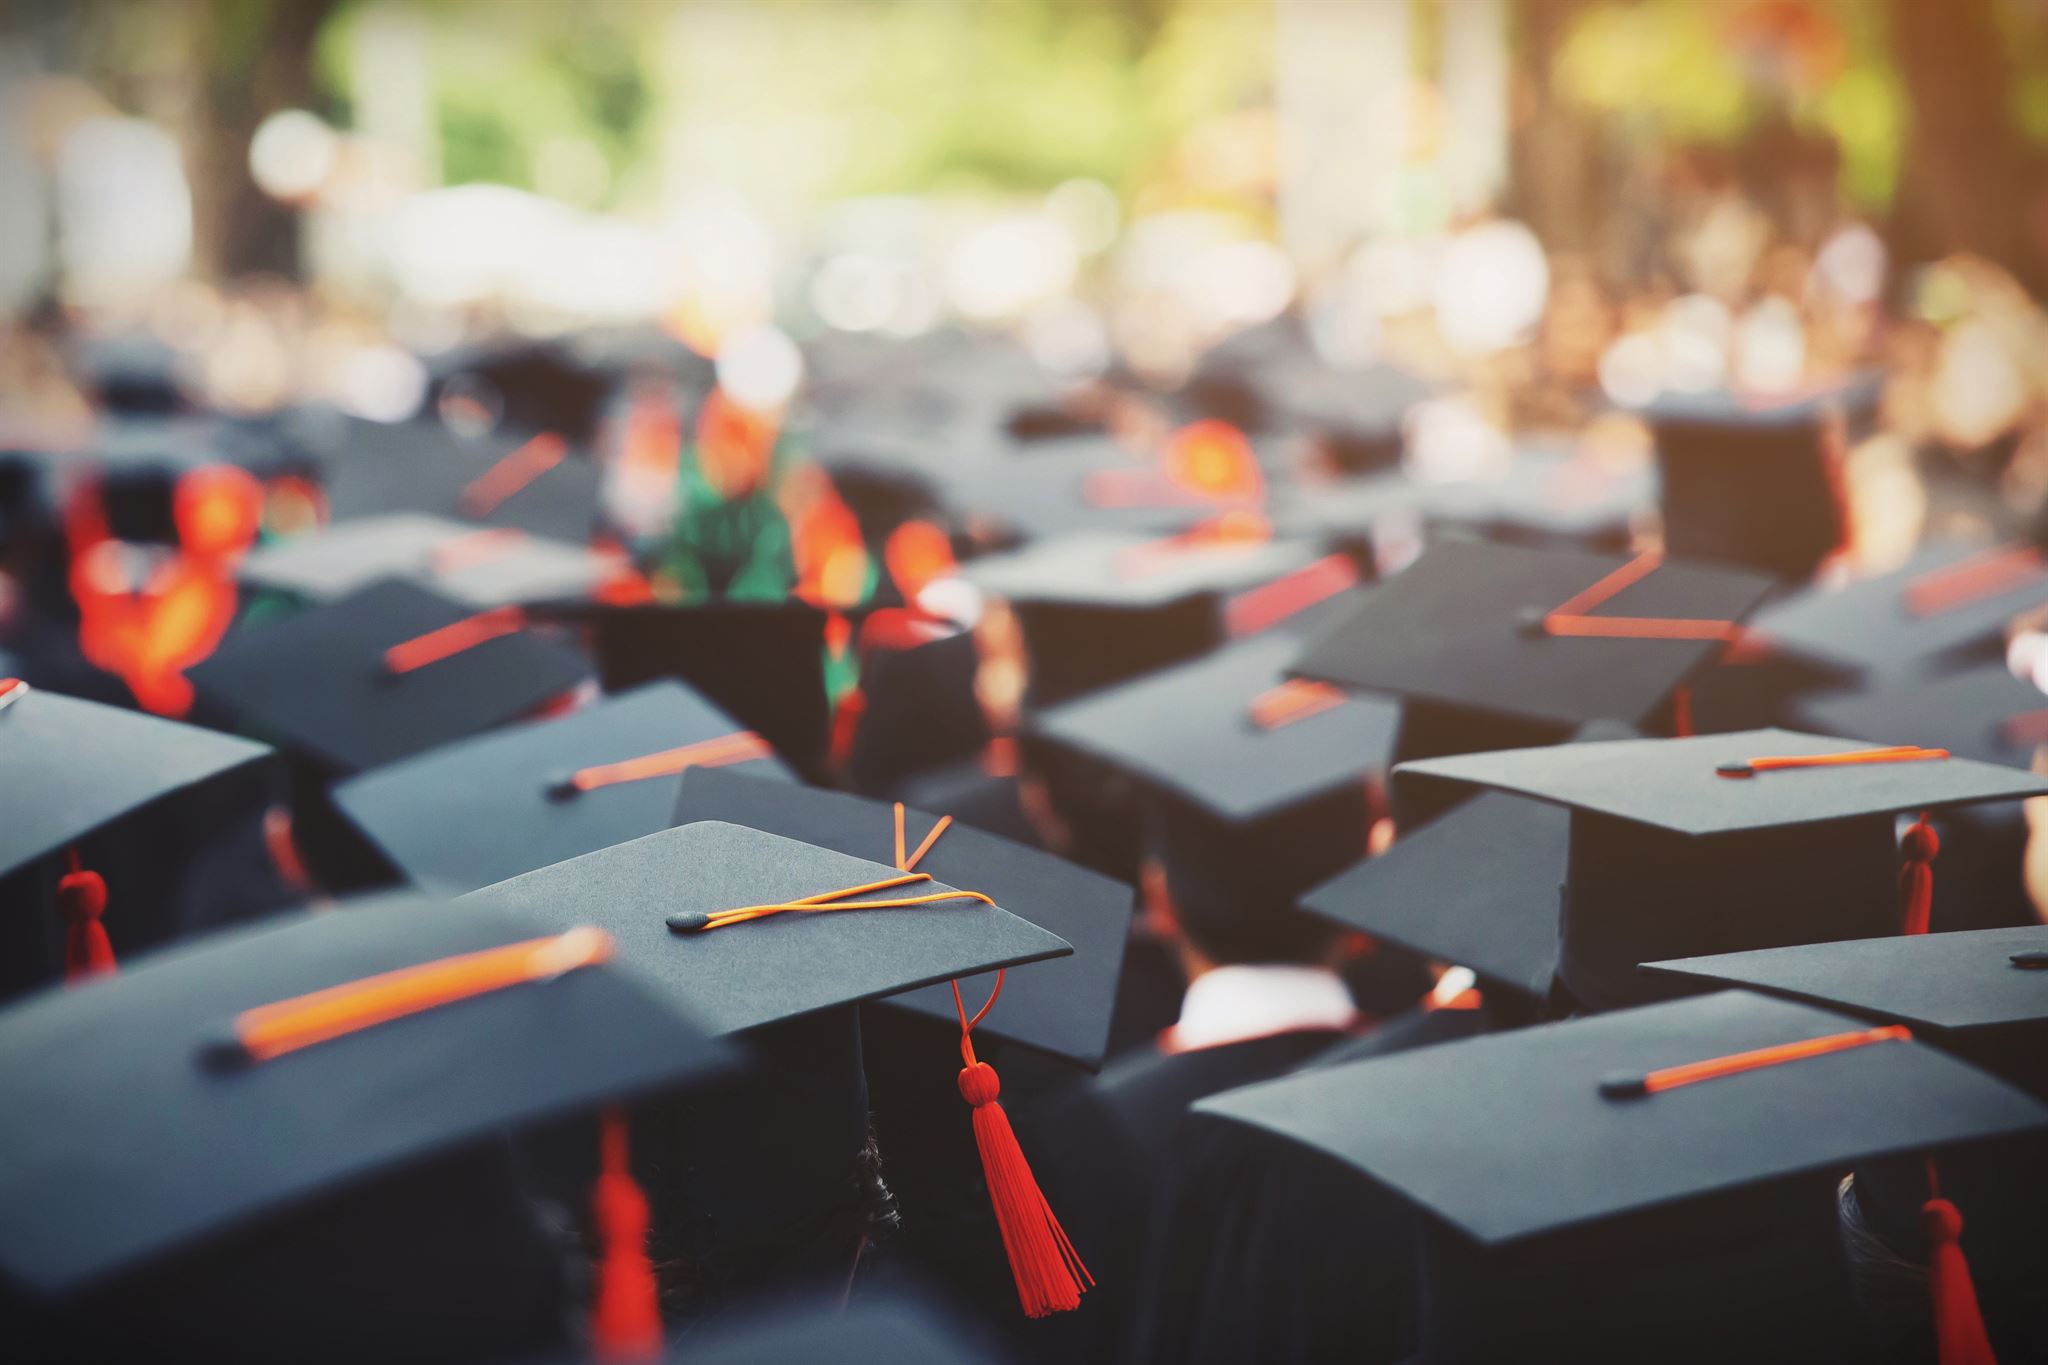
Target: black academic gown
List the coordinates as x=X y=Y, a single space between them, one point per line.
x=1097 y=1150
x=1259 y=1250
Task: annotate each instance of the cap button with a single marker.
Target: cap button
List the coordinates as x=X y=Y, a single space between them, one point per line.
x=1736 y=769
x=1624 y=1085
x=1532 y=621
x=2033 y=959
x=562 y=787
x=688 y=922
x=223 y=1052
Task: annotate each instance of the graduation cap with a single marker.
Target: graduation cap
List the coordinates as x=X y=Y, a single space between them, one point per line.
x=1754 y=839
x=131 y=374
x=538 y=483
x=763 y=663
x=1062 y=1006
x=748 y=929
x=481 y=810
x=1984 y=713
x=75 y=767
x=527 y=386
x=216 y=1095
x=1099 y=608
x=480 y=567
x=1070 y=486
x=1229 y=733
x=1652 y=1184
x=383 y=673
x=1756 y=482
x=1477 y=887
x=1499 y=646
x=1948 y=599
x=918 y=710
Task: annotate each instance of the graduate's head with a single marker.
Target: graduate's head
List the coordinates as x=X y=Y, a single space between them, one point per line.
x=1233 y=888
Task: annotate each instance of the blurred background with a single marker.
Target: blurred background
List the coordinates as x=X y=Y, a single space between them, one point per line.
x=1550 y=210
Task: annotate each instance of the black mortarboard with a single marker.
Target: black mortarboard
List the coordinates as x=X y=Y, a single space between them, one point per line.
x=1548 y=496
x=132 y=374
x=919 y=710
x=1099 y=608
x=1061 y=1006
x=481 y=810
x=538 y=483
x=322 y=681
x=1071 y=486
x=761 y=662
x=1949 y=598
x=186 y=1113
x=74 y=769
x=1983 y=713
x=1756 y=483
x=1463 y=627
x=1228 y=733
x=1587 y=1204
x=786 y=965
x=1674 y=852
x=74 y=766
x=1478 y=887
x=893 y=1331
x=1977 y=992
x=480 y=567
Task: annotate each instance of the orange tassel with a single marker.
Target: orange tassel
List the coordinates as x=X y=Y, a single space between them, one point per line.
x=1916 y=876
x=625 y=1314
x=82 y=897
x=1959 y=1333
x=1049 y=1274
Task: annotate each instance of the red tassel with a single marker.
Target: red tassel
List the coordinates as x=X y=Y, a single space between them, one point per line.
x=1681 y=713
x=82 y=897
x=625 y=1314
x=1050 y=1276
x=1958 y=1323
x=1916 y=875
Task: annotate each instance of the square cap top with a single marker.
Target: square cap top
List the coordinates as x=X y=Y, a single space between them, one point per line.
x=1983 y=713
x=1677 y=785
x=1228 y=733
x=159 y=1146
x=1970 y=979
x=486 y=567
x=1948 y=597
x=1511 y=1136
x=756 y=972
x=1062 y=1006
x=480 y=810
x=890 y=1332
x=1127 y=571
x=320 y=679
x=1461 y=626
x=73 y=766
x=537 y=484
x=1477 y=887
x=763 y=663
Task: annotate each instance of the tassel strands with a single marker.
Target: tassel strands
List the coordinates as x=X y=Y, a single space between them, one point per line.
x=625 y=1310
x=82 y=899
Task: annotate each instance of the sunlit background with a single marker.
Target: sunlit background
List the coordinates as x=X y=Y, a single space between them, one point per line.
x=1555 y=208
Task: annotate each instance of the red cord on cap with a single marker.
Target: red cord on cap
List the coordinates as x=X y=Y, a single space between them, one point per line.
x=453 y=638
x=1296 y=699
x=625 y=1309
x=1570 y=619
x=82 y=899
x=1916 y=876
x=528 y=462
x=12 y=690
x=1986 y=574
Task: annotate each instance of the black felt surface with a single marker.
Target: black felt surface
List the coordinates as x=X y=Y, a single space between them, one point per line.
x=478 y=811
x=1508 y=1136
x=1961 y=980
x=776 y=968
x=1101 y=569
x=422 y=467
x=319 y=682
x=69 y=766
x=332 y=562
x=1672 y=783
x=121 y=1146
x=1188 y=729
x=1062 y=1006
x=1450 y=628
x=1966 y=712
